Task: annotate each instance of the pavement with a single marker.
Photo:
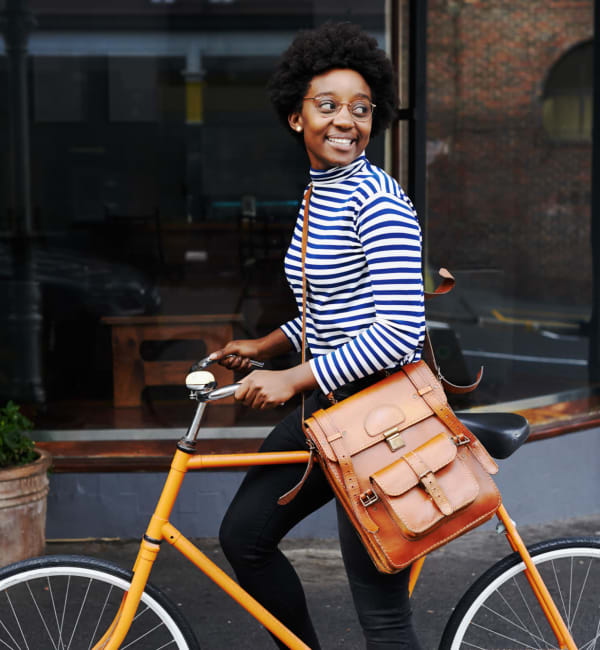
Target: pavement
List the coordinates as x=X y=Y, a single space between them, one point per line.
x=221 y=623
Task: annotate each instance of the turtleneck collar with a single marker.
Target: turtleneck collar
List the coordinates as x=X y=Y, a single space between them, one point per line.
x=337 y=174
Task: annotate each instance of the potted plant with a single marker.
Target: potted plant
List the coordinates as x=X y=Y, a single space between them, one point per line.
x=23 y=488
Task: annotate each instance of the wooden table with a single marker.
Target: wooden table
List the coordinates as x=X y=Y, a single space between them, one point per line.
x=131 y=373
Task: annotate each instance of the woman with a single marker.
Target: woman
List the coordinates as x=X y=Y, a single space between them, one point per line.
x=333 y=88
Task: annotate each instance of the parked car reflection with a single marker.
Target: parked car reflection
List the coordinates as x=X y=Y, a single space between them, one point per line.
x=72 y=280
x=76 y=291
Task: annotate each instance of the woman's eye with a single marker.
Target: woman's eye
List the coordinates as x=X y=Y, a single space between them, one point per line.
x=360 y=109
x=327 y=105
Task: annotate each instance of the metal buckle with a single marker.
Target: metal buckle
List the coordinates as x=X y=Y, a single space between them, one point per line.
x=461 y=440
x=368 y=498
x=393 y=438
x=395 y=441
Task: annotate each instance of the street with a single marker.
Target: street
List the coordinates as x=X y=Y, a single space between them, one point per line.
x=220 y=623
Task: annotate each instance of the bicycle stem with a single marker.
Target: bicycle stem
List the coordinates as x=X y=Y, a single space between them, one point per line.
x=202 y=398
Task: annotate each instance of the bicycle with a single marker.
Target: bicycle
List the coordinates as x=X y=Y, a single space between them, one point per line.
x=70 y=601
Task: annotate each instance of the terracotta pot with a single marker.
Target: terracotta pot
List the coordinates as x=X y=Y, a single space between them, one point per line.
x=23 y=492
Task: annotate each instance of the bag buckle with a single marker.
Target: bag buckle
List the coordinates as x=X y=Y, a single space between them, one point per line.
x=460 y=440
x=368 y=498
x=393 y=438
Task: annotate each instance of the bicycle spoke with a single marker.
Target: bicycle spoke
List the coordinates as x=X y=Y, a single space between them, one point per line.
x=18 y=622
x=597 y=635
x=142 y=636
x=518 y=627
x=87 y=591
x=533 y=618
x=591 y=644
x=570 y=593
x=587 y=573
x=41 y=616
x=562 y=600
x=58 y=626
x=66 y=599
x=8 y=646
x=166 y=645
x=100 y=617
x=505 y=636
x=471 y=645
x=12 y=638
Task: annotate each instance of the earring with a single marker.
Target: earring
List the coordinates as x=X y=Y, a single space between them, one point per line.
x=298 y=128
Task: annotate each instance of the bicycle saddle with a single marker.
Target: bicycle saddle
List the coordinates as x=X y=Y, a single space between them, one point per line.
x=500 y=433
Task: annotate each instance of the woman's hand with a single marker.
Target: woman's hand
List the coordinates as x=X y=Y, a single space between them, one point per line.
x=242 y=351
x=266 y=389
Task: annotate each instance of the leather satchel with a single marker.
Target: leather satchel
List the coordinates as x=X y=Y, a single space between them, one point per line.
x=409 y=474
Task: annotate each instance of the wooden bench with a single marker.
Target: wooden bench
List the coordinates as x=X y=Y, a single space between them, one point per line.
x=131 y=373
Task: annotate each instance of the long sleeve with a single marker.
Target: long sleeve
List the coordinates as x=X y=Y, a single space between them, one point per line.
x=293 y=330
x=390 y=236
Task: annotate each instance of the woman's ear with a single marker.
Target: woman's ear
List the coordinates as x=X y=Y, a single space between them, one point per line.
x=296 y=122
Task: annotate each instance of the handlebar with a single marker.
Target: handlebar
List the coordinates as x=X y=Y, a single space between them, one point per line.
x=202 y=383
x=221 y=393
x=207 y=361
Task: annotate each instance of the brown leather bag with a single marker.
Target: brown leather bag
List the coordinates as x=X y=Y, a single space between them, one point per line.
x=409 y=474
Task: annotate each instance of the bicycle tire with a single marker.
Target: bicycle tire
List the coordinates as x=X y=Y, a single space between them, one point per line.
x=500 y=611
x=66 y=602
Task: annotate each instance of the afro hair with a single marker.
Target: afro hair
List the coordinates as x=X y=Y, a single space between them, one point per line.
x=334 y=46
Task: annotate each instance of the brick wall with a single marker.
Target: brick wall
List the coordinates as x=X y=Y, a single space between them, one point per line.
x=501 y=193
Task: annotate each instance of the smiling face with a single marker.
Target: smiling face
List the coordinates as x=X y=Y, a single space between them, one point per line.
x=333 y=140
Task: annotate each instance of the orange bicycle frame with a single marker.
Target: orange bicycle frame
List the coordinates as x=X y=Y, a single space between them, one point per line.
x=161 y=529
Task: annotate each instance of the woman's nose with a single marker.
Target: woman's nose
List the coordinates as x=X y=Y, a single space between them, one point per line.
x=344 y=117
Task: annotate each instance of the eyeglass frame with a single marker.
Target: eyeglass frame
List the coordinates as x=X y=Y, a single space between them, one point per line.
x=370 y=115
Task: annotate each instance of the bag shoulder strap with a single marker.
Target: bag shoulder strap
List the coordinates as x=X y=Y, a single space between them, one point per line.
x=421 y=378
x=335 y=439
x=291 y=494
x=445 y=286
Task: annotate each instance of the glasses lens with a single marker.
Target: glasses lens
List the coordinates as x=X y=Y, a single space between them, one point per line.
x=327 y=106
x=360 y=110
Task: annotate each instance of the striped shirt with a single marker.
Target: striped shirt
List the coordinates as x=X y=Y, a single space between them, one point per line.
x=365 y=307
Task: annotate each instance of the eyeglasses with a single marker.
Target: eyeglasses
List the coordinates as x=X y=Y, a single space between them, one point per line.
x=360 y=109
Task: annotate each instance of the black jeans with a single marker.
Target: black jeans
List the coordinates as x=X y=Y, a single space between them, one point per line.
x=254 y=524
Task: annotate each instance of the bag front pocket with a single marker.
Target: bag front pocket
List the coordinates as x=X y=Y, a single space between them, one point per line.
x=425 y=486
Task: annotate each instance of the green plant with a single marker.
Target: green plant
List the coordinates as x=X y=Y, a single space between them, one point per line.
x=16 y=447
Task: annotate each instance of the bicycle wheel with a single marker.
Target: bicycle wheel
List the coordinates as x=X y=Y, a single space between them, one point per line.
x=66 y=602
x=500 y=610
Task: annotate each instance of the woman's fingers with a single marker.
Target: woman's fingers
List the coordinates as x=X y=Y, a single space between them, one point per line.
x=264 y=389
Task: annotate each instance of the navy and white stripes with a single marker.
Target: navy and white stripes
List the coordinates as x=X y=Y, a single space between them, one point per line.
x=365 y=307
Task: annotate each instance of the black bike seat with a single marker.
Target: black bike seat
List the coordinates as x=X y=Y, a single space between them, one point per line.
x=500 y=433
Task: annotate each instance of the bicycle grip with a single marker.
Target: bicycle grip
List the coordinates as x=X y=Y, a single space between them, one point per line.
x=207 y=361
x=221 y=393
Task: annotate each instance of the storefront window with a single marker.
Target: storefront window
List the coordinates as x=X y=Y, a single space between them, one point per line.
x=508 y=205
x=146 y=207
x=163 y=194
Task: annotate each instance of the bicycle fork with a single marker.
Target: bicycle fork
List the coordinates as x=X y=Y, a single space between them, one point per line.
x=555 y=620
x=563 y=636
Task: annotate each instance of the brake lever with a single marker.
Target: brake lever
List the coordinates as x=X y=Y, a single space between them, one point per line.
x=207 y=361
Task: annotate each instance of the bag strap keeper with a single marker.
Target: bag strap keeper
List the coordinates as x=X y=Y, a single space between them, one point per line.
x=427 y=479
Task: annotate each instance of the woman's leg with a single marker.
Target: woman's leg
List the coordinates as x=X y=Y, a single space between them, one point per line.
x=381 y=600
x=254 y=525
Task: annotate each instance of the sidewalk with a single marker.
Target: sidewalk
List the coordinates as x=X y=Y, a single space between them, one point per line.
x=220 y=623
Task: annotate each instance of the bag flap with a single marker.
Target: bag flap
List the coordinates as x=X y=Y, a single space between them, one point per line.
x=392 y=403
x=397 y=478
